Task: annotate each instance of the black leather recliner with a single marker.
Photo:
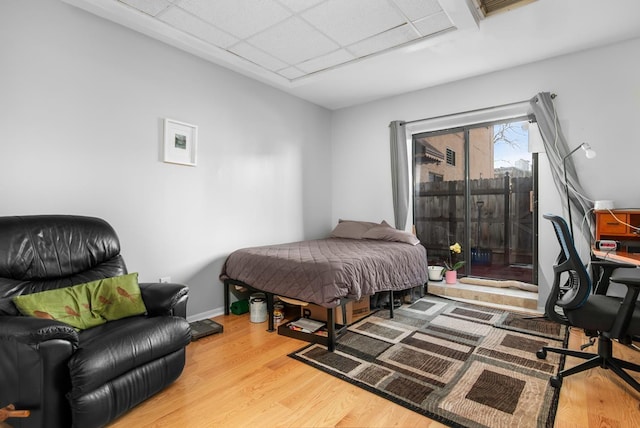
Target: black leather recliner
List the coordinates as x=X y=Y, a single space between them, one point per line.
x=86 y=378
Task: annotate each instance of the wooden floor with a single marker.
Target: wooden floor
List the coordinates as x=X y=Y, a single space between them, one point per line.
x=243 y=378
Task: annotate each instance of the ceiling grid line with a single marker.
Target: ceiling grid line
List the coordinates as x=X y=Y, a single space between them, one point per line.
x=443 y=41
x=295 y=39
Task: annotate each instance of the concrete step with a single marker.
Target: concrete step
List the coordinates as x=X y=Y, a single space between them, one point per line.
x=506 y=298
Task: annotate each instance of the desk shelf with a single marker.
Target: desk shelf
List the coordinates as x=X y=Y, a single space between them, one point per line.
x=614 y=225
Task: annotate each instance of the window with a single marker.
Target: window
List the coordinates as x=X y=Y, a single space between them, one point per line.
x=479 y=197
x=435 y=177
x=451 y=157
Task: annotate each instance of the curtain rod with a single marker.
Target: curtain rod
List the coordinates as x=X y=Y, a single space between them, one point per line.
x=467 y=112
x=472 y=111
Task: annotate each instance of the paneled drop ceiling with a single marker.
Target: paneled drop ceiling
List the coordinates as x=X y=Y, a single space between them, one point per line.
x=337 y=53
x=295 y=38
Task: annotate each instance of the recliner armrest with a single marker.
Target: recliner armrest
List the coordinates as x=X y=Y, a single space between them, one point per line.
x=33 y=368
x=165 y=298
x=33 y=331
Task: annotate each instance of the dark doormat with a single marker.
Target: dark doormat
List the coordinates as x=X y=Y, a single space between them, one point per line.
x=203 y=328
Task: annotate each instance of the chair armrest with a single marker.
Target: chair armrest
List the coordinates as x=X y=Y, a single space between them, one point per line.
x=165 y=298
x=631 y=278
x=34 y=331
x=602 y=270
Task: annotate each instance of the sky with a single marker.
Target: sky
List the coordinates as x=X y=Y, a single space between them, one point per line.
x=505 y=154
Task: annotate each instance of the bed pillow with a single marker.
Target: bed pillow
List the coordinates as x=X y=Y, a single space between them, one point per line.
x=351 y=229
x=86 y=305
x=387 y=233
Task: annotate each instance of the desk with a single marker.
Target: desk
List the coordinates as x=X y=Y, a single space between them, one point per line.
x=619 y=225
x=618 y=256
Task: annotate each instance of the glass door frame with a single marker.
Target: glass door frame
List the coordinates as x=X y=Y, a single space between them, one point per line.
x=465 y=130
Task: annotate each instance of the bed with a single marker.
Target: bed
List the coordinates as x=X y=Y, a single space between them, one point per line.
x=358 y=259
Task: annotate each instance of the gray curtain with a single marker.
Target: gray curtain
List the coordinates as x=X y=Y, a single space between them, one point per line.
x=557 y=148
x=399 y=173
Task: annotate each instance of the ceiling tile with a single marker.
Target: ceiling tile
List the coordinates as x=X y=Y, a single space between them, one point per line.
x=350 y=21
x=326 y=61
x=150 y=7
x=416 y=9
x=386 y=40
x=293 y=41
x=291 y=73
x=433 y=24
x=478 y=49
x=240 y=18
x=188 y=23
x=299 y=5
x=257 y=56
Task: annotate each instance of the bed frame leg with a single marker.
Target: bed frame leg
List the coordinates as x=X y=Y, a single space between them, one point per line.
x=270 y=311
x=391 y=303
x=226 y=297
x=331 y=330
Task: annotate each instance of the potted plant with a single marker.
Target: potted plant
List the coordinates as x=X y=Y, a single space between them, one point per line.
x=451 y=274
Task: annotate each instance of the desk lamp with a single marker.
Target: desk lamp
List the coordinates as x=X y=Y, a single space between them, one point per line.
x=590 y=154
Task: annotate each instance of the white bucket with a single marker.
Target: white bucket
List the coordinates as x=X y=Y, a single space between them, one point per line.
x=258 y=307
x=435 y=273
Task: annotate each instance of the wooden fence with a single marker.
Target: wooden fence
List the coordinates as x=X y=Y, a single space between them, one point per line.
x=501 y=218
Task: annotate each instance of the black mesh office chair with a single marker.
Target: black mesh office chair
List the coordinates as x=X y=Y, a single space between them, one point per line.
x=572 y=303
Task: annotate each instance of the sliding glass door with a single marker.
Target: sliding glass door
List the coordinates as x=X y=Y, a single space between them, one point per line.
x=475 y=186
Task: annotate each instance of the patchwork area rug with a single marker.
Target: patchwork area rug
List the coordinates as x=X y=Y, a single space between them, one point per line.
x=460 y=364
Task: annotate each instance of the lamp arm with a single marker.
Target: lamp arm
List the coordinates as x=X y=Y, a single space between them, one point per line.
x=571 y=152
x=566 y=191
x=590 y=154
x=566 y=185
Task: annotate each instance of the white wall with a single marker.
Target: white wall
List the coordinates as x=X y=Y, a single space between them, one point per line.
x=598 y=102
x=81 y=107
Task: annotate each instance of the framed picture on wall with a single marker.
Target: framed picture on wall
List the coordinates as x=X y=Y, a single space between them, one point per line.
x=180 y=142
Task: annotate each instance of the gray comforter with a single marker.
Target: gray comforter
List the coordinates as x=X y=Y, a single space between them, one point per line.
x=325 y=270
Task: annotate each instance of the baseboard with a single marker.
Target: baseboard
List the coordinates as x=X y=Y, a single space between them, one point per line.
x=204 y=315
